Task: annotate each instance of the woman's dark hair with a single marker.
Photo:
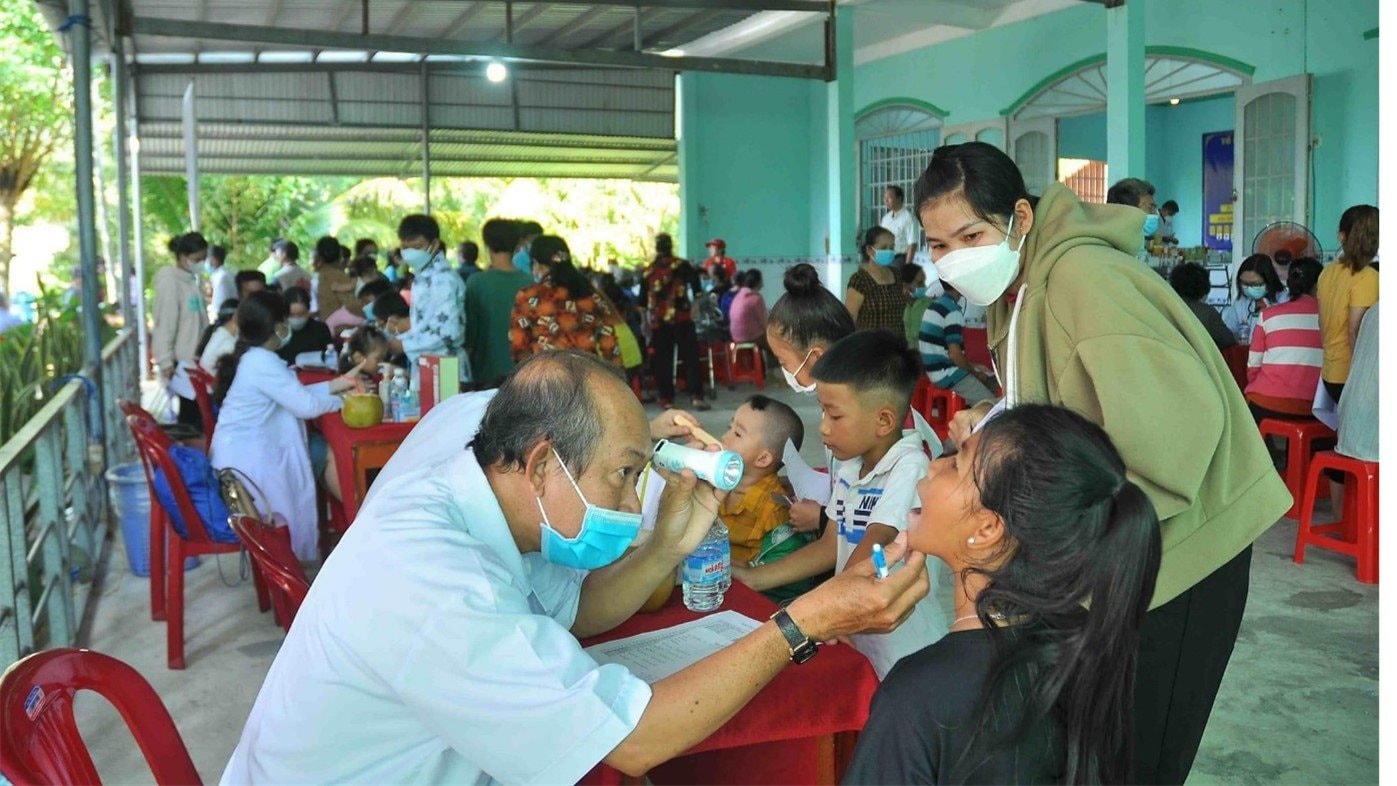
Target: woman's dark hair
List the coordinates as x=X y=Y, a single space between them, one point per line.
x=226 y=311
x=363 y=340
x=911 y=271
x=870 y=237
x=186 y=244
x=752 y=279
x=363 y=243
x=1190 y=280
x=986 y=176
x=1360 y=227
x=291 y=250
x=1170 y=205
x=258 y=315
x=1080 y=556
x=327 y=251
x=363 y=266
x=296 y=295
x=719 y=274
x=552 y=253
x=664 y=245
x=808 y=314
x=375 y=288
x=1304 y=277
x=1260 y=264
x=390 y=304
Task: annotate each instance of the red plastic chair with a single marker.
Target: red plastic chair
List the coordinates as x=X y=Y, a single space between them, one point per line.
x=1300 y=436
x=270 y=548
x=1356 y=533
x=752 y=371
x=203 y=383
x=155 y=446
x=39 y=739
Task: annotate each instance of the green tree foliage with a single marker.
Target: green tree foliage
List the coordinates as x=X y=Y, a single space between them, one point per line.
x=36 y=119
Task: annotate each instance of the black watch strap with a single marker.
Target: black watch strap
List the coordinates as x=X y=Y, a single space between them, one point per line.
x=802 y=648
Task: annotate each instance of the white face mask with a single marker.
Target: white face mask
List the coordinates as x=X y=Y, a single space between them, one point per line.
x=297 y=323
x=806 y=390
x=416 y=258
x=982 y=273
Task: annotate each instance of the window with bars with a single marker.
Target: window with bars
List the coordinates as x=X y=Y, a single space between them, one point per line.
x=1088 y=179
x=896 y=160
x=1268 y=168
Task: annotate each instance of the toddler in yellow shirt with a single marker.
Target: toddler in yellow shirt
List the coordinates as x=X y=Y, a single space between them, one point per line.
x=758 y=432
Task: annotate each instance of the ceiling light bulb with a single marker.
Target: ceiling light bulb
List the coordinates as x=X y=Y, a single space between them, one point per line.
x=672 y=53
x=1173 y=102
x=496 y=72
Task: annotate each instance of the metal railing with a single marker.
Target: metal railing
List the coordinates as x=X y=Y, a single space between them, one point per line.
x=53 y=506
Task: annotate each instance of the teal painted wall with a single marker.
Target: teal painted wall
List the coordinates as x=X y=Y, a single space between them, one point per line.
x=751 y=147
x=1084 y=136
x=976 y=76
x=1174 y=158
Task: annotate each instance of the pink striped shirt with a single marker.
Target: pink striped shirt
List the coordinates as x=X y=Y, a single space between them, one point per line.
x=1287 y=351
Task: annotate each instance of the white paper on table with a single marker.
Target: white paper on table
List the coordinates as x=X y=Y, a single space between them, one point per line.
x=806 y=482
x=660 y=653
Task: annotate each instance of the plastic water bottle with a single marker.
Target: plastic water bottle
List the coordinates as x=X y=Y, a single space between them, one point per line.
x=708 y=571
x=329 y=356
x=397 y=394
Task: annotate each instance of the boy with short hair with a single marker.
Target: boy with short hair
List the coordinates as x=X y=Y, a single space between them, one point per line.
x=864 y=384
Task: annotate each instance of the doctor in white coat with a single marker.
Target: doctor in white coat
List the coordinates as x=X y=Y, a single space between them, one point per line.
x=440 y=641
x=261 y=430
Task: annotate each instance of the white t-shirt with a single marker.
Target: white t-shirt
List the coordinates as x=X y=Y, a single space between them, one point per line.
x=906 y=231
x=884 y=496
x=430 y=650
x=223 y=286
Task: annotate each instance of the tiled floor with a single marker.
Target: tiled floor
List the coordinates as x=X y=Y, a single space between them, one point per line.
x=1299 y=703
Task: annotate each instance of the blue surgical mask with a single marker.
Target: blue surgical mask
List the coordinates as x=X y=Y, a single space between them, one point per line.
x=522 y=261
x=1256 y=292
x=1151 y=224
x=919 y=292
x=416 y=258
x=369 y=312
x=601 y=540
x=884 y=257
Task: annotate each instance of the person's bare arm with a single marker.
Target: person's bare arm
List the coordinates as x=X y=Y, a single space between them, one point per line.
x=687 y=707
x=809 y=560
x=1355 y=321
x=882 y=534
x=853 y=300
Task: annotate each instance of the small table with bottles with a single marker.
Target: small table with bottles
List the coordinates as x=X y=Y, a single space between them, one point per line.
x=801 y=728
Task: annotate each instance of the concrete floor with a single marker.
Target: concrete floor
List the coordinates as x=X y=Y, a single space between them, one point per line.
x=1299 y=703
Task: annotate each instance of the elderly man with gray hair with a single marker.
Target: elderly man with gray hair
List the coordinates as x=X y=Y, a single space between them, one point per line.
x=440 y=641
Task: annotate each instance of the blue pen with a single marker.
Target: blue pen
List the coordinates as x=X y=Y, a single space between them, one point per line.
x=880 y=563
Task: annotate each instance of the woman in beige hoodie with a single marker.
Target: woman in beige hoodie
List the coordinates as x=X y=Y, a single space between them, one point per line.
x=181 y=315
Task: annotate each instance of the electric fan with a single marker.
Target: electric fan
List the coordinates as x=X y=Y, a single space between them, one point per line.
x=1287 y=236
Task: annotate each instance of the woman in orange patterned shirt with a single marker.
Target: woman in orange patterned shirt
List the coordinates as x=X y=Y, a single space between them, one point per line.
x=561 y=311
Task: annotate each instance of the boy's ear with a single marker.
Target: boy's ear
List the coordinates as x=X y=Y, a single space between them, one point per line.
x=887 y=422
x=764 y=459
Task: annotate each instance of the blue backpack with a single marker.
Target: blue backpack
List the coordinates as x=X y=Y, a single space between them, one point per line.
x=194 y=467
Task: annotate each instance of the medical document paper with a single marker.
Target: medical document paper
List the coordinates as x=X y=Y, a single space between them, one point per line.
x=660 y=653
x=806 y=481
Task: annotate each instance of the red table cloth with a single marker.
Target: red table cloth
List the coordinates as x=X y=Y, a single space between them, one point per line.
x=799 y=729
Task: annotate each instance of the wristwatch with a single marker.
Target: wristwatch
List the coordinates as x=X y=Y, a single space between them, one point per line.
x=802 y=648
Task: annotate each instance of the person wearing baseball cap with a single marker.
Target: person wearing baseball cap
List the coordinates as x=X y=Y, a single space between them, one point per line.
x=717 y=255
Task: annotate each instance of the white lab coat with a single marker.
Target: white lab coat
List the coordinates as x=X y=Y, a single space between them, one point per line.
x=261 y=432
x=431 y=650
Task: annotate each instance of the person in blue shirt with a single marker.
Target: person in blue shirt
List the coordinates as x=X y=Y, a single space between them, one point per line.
x=529 y=231
x=942 y=345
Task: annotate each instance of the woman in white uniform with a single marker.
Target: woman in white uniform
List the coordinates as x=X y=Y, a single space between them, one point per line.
x=261 y=424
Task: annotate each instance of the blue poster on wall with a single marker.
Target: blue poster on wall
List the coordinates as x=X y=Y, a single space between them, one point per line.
x=1218 y=191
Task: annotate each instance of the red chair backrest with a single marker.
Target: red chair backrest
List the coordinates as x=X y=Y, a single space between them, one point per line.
x=203 y=383
x=270 y=548
x=154 y=446
x=39 y=739
x=135 y=412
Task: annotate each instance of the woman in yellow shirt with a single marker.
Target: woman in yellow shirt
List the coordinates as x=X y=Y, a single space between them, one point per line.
x=1347 y=289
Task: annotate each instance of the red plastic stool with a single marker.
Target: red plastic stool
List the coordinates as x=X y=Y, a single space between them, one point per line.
x=942 y=405
x=738 y=371
x=1300 y=436
x=1359 y=525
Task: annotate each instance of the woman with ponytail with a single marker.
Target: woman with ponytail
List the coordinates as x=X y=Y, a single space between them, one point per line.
x=1074 y=320
x=261 y=429
x=1054 y=553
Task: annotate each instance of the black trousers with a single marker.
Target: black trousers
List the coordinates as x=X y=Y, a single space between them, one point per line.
x=665 y=340
x=189 y=413
x=1184 y=649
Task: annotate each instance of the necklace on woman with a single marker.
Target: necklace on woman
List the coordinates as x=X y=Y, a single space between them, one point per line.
x=959 y=620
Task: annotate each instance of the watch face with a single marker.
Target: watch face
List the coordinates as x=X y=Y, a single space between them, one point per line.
x=804 y=652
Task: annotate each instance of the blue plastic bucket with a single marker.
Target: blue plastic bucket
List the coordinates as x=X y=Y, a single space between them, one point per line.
x=130 y=500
